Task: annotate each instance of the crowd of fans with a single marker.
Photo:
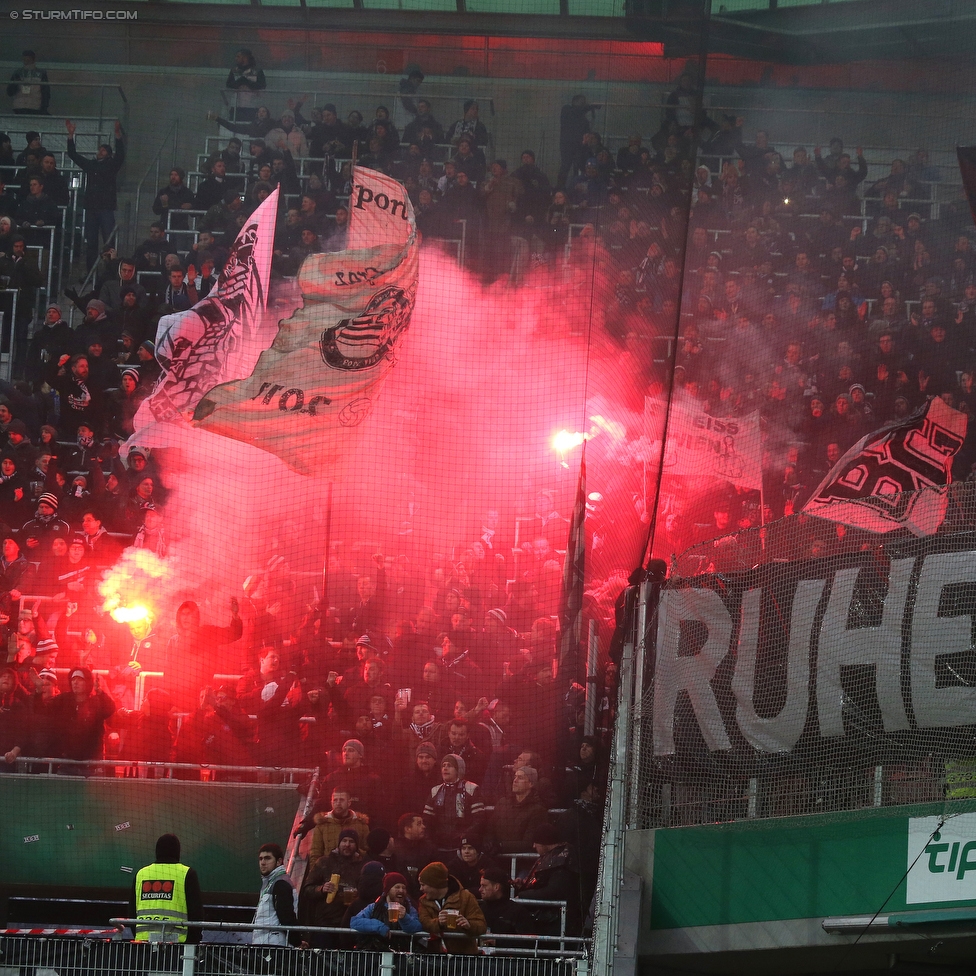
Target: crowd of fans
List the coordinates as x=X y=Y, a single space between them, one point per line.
x=418 y=763
x=829 y=302
x=427 y=693
x=828 y=325
x=468 y=895
x=827 y=330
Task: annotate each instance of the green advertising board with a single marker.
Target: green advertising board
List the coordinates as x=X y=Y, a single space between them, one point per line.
x=72 y=831
x=818 y=866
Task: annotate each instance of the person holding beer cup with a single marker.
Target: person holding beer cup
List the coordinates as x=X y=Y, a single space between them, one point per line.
x=329 y=888
x=394 y=911
x=447 y=907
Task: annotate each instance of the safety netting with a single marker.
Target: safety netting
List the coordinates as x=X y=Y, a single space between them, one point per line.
x=812 y=649
x=811 y=667
x=319 y=514
x=339 y=479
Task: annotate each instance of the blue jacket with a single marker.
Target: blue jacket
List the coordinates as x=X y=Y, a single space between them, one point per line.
x=373 y=919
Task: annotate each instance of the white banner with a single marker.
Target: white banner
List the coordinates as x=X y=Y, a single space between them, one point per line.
x=319 y=379
x=704 y=446
x=221 y=337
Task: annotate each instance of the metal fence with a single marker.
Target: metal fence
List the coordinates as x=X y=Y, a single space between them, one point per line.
x=224 y=960
x=33 y=956
x=133 y=769
x=88 y=956
x=561 y=946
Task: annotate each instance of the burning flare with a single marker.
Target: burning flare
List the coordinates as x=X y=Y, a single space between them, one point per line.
x=129 y=615
x=564 y=441
x=128 y=584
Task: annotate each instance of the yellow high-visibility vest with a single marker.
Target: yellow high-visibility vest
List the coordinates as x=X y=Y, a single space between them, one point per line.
x=161 y=897
x=960 y=778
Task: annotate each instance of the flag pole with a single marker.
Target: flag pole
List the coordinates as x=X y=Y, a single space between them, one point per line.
x=352 y=178
x=324 y=602
x=762 y=516
x=571 y=602
x=762 y=489
x=644 y=512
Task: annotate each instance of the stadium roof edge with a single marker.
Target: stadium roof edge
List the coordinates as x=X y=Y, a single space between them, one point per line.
x=433 y=22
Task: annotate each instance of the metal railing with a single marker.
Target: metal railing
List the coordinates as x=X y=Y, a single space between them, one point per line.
x=537 y=946
x=53 y=134
x=7 y=351
x=89 y=280
x=190 y=232
x=48 y=258
x=36 y=299
x=388 y=96
x=676 y=799
x=172 y=134
x=123 y=768
x=621 y=786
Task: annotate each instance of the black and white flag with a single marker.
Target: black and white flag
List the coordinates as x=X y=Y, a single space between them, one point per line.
x=877 y=484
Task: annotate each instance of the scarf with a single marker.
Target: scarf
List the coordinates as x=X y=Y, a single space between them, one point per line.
x=81 y=400
x=422 y=731
x=443 y=801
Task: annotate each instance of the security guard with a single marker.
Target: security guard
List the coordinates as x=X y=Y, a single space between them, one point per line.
x=167 y=891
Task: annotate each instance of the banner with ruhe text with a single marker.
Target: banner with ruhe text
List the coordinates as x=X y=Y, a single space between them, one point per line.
x=870 y=649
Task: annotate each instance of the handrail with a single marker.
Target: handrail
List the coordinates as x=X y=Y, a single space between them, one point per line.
x=380 y=90
x=89 y=278
x=581 y=942
x=8 y=364
x=173 y=129
x=47 y=250
x=256 y=927
x=87 y=84
x=548 y=903
x=52 y=761
x=101 y=86
x=62 y=932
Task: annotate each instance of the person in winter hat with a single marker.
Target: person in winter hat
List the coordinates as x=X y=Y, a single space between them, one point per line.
x=447 y=907
x=393 y=910
x=455 y=806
